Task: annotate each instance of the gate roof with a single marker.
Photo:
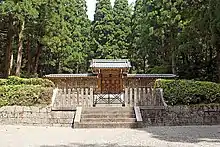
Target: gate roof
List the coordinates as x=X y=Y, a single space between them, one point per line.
x=110 y=63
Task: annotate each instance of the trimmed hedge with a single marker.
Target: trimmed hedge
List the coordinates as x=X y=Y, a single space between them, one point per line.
x=25 y=92
x=32 y=81
x=186 y=92
x=25 y=95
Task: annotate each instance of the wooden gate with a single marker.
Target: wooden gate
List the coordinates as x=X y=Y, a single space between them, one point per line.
x=110 y=87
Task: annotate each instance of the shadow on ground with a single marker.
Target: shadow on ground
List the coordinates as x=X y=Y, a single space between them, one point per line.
x=187 y=134
x=91 y=145
x=175 y=134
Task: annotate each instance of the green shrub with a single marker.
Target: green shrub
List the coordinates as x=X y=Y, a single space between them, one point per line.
x=185 y=92
x=25 y=95
x=163 y=69
x=32 y=81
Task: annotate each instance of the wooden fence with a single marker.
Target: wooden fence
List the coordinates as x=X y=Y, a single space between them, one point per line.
x=69 y=99
x=143 y=97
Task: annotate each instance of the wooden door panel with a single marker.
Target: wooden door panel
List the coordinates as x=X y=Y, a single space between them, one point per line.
x=111 y=85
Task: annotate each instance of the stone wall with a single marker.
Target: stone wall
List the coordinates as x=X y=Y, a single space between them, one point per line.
x=183 y=115
x=172 y=115
x=17 y=115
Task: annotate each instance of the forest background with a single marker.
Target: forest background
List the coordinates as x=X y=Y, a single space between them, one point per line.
x=39 y=37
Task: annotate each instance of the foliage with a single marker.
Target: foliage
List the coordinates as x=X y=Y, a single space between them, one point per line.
x=66 y=36
x=102 y=30
x=55 y=38
x=137 y=57
x=158 y=36
x=22 y=81
x=181 y=36
x=25 y=95
x=159 y=70
x=186 y=92
x=122 y=29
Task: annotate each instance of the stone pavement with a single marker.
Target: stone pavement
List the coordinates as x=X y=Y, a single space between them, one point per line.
x=182 y=136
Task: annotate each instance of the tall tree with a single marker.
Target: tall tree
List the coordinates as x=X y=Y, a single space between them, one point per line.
x=102 y=30
x=135 y=44
x=17 y=11
x=211 y=19
x=6 y=10
x=67 y=36
x=122 y=28
x=81 y=37
x=57 y=35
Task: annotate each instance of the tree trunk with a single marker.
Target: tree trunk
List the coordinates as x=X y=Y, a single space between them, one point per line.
x=59 y=68
x=173 y=62
x=36 y=61
x=218 y=63
x=8 y=61
x=20 y=46
x=77 y=68
x=144 y=61
x=28 y=56
x=11 y=62
x=210 y=63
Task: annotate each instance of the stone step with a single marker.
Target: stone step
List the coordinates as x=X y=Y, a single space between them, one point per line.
x=66 y=108
x=103 y=115
x=95 y=110
x=110 y=113
x=107 y=125
x=108 y=105
x=108 y=120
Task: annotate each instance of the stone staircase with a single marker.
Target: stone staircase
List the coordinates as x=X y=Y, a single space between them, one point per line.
x=108 y=117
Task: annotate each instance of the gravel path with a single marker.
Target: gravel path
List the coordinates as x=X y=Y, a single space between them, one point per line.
x=190 y=136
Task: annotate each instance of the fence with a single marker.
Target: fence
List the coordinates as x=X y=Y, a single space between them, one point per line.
x=69 y=99
x=143 y=97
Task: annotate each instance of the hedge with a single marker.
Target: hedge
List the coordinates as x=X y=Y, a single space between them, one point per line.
x=25 y=95
x=25 y=92
x=32 y=81
x=186 y=92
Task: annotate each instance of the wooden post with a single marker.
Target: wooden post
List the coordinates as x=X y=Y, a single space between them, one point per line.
x=150 y=96
x=131 y=98
x=61 y=98
x=69 y=98
x=91 y=97
x=82 y=96
x=73 y=98
x=135 y=96
x=144 y=100
x=126 y=97
x=77 y=96
x=153 y=96
x=64 y=97
x=86 y=98
x=139 y=96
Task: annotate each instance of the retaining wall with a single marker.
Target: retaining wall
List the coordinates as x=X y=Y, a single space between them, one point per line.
x=183 y=115
x=18 y=115
x=171 y=116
